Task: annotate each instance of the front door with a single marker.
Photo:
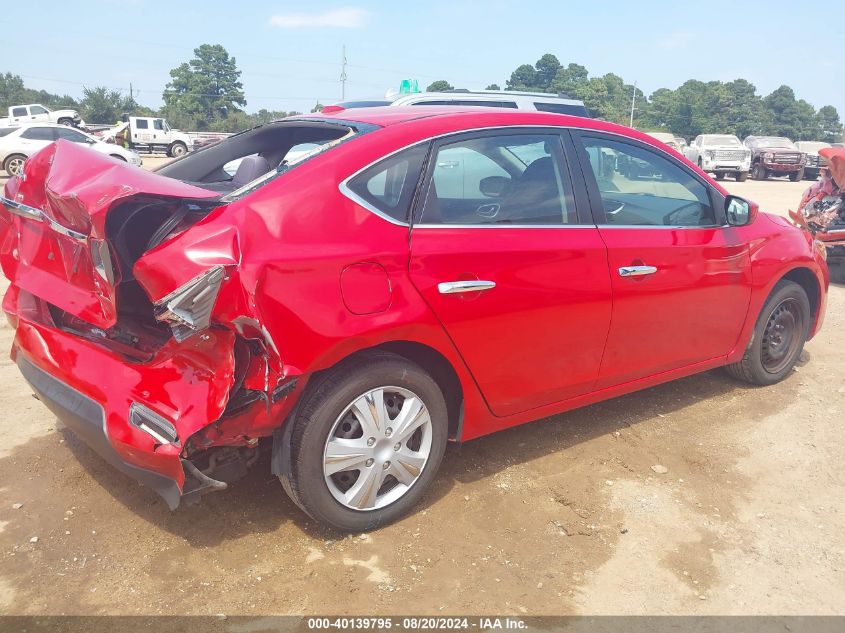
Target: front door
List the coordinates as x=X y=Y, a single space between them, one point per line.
x=680 y=275
x=519 y=281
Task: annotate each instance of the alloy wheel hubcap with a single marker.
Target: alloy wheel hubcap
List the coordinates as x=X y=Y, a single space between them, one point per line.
x=377 y=448
x=782 y=335
x=16 y=166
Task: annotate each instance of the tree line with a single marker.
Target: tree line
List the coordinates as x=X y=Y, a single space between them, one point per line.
x=206 y=94
x=694 y=108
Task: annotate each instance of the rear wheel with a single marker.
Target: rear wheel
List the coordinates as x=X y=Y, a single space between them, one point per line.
x=14 y=164
x=758 y=172
x=741 y=176
x=778 y=338
x=366 y=443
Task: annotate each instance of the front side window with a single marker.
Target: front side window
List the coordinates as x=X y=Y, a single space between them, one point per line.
x=36 y=109
x=39 y=134
x=389 y=185
x=158 y=124
x=141 y=124
x=639 y=187
x=499 y=180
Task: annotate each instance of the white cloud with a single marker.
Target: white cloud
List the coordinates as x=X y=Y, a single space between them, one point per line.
x=349 y=18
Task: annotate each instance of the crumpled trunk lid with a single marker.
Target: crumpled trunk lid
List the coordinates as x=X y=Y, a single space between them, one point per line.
x=53 y=240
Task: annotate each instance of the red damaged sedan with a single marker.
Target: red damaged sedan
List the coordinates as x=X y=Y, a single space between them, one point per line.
x=405 y=277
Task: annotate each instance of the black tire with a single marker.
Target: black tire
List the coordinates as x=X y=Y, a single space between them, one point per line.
x=741 y=176
x=762 y=363
x=797 y=175
x=316 y=417
x=118 y=157
x=65 y=121
x=758 y=172
x=177 y=149
x=12 y=162
x=720 y=175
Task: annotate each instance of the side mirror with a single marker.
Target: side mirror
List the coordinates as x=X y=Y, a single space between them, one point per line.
x=494 y=186
x=740 y=212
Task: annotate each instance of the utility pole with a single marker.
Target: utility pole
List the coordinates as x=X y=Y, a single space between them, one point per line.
x=633 y=101
x=343 y=75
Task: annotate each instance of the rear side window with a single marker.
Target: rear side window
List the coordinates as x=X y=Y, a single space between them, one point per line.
x=561 y=108
x=7 y=130
x=39 y=134
x=388 y=186
x=141 y=124
x=18 y=111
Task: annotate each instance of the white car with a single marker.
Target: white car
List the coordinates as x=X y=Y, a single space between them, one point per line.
x=19 y=143
x=720 y=154
x=539 y=101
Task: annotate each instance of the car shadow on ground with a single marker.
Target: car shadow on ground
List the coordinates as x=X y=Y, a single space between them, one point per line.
x=257 y=503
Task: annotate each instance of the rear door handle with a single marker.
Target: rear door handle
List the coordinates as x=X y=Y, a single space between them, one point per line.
x=454 y=287
x=637 y=271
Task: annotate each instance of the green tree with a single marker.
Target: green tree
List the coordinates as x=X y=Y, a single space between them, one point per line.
x=493 y=87
x=547 y=68
x=828 y=125
x=523 y=78
x=570 y=80
x=101 y=105
x=441 y=85
x=205 y=89
x=790 y=117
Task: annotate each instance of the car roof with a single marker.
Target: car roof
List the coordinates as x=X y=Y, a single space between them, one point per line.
x=384 y=116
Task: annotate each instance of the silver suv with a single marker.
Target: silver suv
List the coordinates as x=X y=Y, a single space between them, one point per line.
x=540 y=101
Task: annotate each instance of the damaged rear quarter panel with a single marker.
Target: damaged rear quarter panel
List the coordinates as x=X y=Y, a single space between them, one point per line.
x=285 y=247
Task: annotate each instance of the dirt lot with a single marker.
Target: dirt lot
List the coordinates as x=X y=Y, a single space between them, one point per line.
x=563 y=516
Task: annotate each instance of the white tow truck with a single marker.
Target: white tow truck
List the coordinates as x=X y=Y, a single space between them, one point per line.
x=150 y=134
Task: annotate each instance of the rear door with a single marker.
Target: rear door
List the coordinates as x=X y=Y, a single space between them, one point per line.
x=19 y=115
x=518 y=279
x=681 y=277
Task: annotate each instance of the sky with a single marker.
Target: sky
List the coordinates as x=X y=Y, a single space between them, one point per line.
x=290 y=52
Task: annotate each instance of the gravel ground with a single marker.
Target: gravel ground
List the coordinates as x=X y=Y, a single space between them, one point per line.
x=702 y=496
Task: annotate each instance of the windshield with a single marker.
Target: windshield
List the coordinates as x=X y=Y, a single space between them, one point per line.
x=720 y=139
x=774 y=141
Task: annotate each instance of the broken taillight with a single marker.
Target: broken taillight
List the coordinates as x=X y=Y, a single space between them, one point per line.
x=187 y=309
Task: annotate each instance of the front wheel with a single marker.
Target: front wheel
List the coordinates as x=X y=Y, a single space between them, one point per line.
x=758 y=172
x=367 y=443
x=178 y=149
x=118 y=157
x=797 y=175
x=720 y=175
x=741 y=176
x=778 y=338
x=66 y=121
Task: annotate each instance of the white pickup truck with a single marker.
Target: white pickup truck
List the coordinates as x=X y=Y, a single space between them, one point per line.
x=151 y=134
x=37 y=113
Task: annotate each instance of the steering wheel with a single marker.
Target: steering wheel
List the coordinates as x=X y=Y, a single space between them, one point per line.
x=668 y=219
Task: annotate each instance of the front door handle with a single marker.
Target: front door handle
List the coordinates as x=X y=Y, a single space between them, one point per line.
x=637 y=271
x=474 y=285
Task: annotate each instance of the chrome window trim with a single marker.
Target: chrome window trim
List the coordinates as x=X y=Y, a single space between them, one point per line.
x=344 y=188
